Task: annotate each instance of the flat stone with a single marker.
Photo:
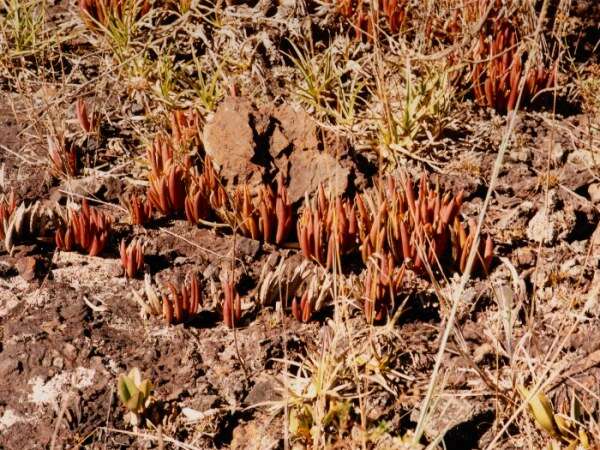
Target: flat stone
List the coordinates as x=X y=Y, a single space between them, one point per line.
x=27 y=267
x=309 y=169
x=229 y=140
x=594 y=192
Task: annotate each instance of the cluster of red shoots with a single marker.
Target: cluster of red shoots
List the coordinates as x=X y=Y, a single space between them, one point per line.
x=184 y=302
x=360 y=14
x=396 y=226
x=63 y=157
x=414 y=229
x=171 y=181
x=167 y=178
x=132 y=257
x=8 y=204
x=204 y=195
x=327 y=227
x=177 y=188
x=382 y=283
x=140 y=209
x=185 y=128
x=102 y=12
x=87 y=230
x=269 y=217
x=498 y=70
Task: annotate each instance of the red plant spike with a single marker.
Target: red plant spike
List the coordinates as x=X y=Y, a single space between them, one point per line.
x=87 y=230
x=184 y=128
x=283 y=212
x=302 y=310
x=63 y=157
x=7 y=207
x=159 y=155
x=86 y=122
x=140 y=210
x=382 y=283
x=462 y=247
x=197 y=203
x=325 y=228
x=359 y=14
x=132 y=257
x=270 y=219
x=232 y=312
x=167 y=191
x=184 y=304
x=204 y=194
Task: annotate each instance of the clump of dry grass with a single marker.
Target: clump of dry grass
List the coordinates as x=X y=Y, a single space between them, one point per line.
x=304 y=290
x=96 y=13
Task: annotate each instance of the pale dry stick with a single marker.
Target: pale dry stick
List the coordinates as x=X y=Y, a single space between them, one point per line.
x=21 y=157
x=456 y=297
x=110 y=400
x=286 y=436
x=342 y=321
x=91 y=199
x=547 y=379
x=571 y=306
x=428 y=162
x=176 y=443
x=585 y=388
x=235 y=339
x=546 y=203
x=204 y=249
x=63 y=408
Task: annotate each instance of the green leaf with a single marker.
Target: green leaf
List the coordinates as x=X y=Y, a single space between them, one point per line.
x=122 y=390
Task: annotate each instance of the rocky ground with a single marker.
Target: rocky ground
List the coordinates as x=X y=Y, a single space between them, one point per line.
x=71 y=323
